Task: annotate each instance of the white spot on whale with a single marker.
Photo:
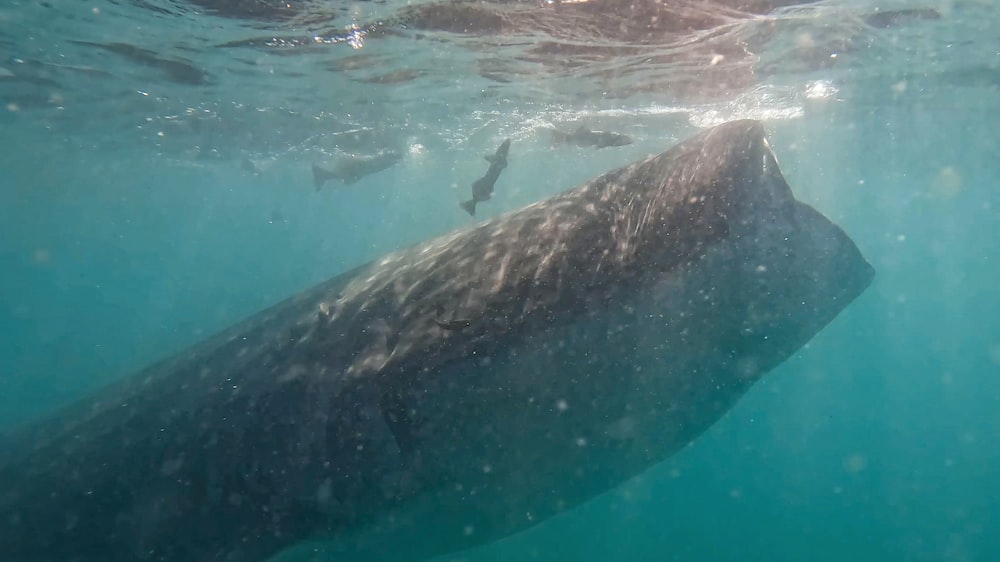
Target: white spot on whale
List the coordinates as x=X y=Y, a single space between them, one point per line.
x=171 y=466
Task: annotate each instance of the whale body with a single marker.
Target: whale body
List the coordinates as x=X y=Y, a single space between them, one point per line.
x=454 y=392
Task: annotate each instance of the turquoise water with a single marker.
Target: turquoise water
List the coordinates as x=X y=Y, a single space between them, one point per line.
x=131 y=227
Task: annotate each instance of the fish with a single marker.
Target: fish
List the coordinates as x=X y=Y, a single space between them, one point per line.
x=598 y=332
x=350 y=168
x=584 y=137
x=175 y=70
x=452 y=324
x=482 y=189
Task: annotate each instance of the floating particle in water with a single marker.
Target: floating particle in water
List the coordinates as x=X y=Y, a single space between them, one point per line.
x=855 y=463
x=947 y=184
x=171 y=466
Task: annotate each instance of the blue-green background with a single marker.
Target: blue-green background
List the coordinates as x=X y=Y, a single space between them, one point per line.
x=879 y=441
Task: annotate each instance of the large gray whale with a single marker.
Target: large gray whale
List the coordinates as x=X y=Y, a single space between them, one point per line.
x=454 y=392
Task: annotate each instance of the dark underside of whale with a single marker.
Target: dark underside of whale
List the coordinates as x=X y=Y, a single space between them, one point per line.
x=423 y=403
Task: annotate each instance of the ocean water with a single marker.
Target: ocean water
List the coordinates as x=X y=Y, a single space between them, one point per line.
x=156 y=188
